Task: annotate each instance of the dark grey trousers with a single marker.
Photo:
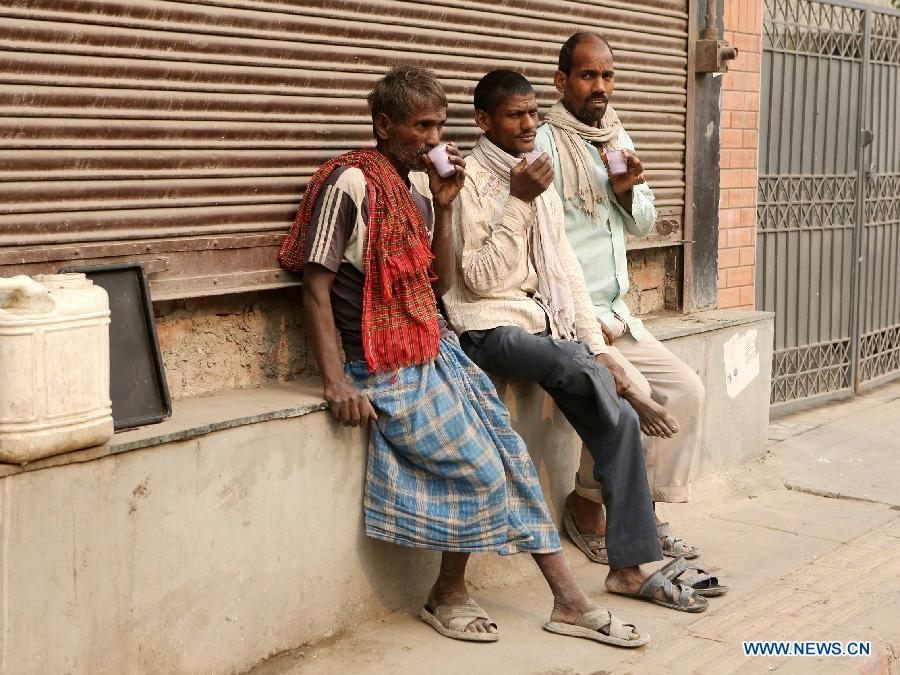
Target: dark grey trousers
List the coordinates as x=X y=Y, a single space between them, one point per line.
x=580 y=387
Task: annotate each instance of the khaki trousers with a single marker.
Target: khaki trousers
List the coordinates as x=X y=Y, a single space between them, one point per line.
x=671 y=383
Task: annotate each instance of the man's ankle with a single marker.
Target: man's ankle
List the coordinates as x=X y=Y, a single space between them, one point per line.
x=449 y=585
x=588 y=515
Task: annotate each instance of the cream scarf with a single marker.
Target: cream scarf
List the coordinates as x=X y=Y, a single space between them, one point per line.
x=553 y=281
x=580 y=177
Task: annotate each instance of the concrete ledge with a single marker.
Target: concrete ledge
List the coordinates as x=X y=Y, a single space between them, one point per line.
x=201 y=555
x=195 y=417
x=199 y=416
x=234 y=530
x=670 y=326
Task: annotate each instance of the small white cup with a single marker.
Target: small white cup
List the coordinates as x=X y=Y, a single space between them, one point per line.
x=617 y=162
x=438 y=157
x=533 y=155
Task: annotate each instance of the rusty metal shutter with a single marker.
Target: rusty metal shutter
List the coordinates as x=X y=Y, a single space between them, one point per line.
x=181 y=134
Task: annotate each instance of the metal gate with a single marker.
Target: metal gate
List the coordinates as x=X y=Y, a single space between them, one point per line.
x=828 y=238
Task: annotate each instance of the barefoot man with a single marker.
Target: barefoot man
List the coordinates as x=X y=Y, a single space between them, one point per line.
x=600 y=208
x=445 y=471
x=521 y=306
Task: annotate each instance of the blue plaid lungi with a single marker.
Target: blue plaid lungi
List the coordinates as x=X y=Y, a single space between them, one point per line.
x=445 y=470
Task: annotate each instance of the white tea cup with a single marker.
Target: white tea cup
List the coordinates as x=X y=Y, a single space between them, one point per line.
x=441 y=161
x=617 y=162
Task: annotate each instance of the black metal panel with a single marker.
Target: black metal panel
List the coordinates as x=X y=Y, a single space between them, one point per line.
x=138 y=386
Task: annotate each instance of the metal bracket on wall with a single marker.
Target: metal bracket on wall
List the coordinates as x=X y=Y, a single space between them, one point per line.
x=711 y=53
x=712 y=56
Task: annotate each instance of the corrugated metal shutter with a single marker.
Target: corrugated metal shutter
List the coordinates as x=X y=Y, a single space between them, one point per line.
x=182 y=134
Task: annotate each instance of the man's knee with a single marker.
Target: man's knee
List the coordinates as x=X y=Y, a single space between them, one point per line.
x=692 y=390
x=571 y=368
x=490 y=478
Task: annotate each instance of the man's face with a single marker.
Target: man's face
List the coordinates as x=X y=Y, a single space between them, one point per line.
x=511 y=126
x=588 y=86
x=406 y=141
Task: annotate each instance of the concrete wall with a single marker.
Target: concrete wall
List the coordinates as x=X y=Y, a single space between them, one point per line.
x=734 y=428
x=196 y=557
x=225 y=343
x=214 y=550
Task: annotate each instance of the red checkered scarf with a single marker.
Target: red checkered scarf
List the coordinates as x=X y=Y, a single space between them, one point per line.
x=399 y=318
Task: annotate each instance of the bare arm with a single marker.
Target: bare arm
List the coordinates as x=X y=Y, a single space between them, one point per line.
x=443 y=250
x=443 y=194
x=349 y=405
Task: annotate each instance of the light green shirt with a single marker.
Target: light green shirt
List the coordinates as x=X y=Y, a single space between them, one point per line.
x=599 y=241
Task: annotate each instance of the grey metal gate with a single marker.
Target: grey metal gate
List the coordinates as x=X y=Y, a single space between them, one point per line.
x=828 y=238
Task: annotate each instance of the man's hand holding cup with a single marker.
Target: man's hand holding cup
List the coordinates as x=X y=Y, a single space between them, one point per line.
x=624 y=169
x=446 y=173
x=528 y=180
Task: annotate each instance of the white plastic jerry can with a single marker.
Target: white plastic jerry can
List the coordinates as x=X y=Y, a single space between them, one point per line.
x=54 y=366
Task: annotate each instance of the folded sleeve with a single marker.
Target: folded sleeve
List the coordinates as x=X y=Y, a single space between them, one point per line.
x=642 y=218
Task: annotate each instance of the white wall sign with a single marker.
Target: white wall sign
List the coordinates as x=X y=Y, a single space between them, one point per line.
x=741 y=361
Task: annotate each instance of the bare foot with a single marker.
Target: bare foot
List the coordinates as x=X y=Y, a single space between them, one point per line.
x=627 y=581
x=570 y=613
x=655 y=420
x=440 y=596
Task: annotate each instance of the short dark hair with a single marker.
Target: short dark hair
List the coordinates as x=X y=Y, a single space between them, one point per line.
x=499 y=85
x=404 y=89
x=567 y=51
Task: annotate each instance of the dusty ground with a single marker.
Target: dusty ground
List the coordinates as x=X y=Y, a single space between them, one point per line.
x=808 y=539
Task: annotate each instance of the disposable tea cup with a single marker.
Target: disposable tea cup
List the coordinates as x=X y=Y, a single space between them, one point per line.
x=617 y=162
x=533 y=155
x=440 y=159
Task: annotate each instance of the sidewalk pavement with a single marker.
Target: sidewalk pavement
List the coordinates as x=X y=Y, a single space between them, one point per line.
x=808 y=538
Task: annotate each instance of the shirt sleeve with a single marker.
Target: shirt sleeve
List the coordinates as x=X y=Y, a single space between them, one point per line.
x=643 y=211
x=333 y=219
x=487 y=254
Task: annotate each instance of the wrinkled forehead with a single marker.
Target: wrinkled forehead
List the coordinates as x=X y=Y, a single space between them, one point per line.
x=592 y=53
x=518 y=102
x=426 y=112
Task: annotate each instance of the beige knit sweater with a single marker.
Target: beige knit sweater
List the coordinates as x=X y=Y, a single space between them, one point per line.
x=494 y=274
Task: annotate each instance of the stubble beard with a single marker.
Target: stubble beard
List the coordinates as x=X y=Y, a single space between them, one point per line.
x=585 y=115
x=592 y=117
x=408 y=158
